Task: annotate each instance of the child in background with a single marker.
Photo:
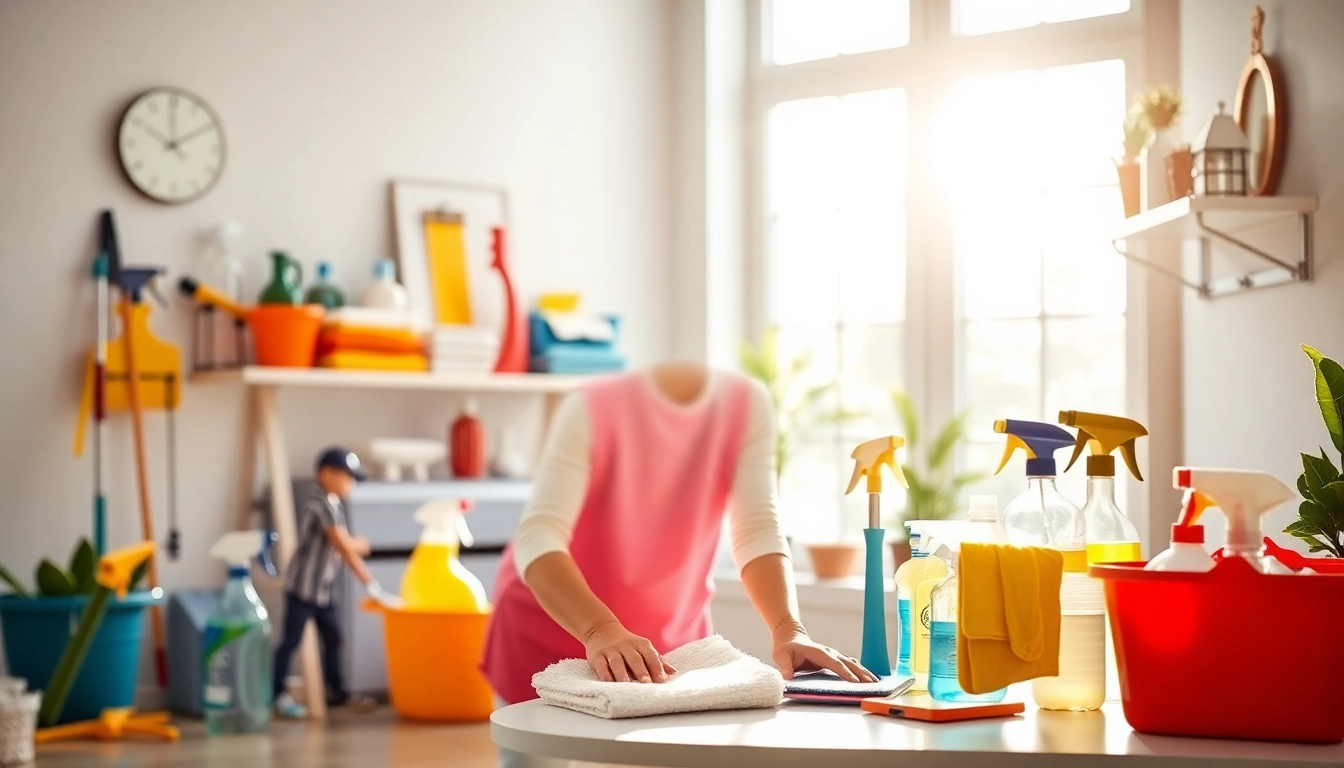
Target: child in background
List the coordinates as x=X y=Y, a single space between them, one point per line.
x=323 y=541
x=612 y=559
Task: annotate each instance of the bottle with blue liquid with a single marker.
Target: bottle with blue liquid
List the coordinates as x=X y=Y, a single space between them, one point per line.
x=919 y=570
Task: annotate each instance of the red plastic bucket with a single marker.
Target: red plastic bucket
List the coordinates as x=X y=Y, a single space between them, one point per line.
x=1229 y=654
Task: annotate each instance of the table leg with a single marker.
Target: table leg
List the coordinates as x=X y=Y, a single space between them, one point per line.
x=282 y=512
x=251 y=434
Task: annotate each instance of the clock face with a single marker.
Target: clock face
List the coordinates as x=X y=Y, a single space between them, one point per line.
x=171 y=145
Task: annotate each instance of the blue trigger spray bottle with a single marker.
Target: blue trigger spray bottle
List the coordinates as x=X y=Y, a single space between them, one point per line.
x=237 y=695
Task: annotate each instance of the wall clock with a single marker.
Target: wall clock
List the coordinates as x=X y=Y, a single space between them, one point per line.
x=171 y=145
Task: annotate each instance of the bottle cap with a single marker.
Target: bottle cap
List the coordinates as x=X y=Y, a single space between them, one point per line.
x=384 y=269
x=984 y=508
x=1187 y=534
x=323 y=270
x=1042 y=467
x=1101 y=466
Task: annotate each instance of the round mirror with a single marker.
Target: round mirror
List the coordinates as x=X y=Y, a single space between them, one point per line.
x=1254 y=122
x=1259 y=113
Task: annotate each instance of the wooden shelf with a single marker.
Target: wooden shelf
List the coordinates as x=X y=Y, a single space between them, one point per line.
x=1179 y=219
x=508 y=383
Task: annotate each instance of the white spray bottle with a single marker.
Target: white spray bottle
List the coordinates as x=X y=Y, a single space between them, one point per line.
x=1244 y=496
x=1186 y=553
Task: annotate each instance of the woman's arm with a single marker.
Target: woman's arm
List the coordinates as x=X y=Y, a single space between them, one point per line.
x=762 y=555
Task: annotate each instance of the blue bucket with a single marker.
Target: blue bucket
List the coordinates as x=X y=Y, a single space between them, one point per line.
x=37 y=629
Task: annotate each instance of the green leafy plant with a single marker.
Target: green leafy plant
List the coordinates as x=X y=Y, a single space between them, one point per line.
x=934 y=486
x=1137 y=131
x=798 y=405
x=1160 y=104
x=79 y=578
x=1320 y=517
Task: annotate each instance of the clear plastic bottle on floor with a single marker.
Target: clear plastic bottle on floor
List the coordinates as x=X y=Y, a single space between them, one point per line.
x=237 y=695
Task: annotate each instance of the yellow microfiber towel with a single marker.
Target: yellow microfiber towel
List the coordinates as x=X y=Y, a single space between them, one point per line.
x=373 y=361
x=1008 y=620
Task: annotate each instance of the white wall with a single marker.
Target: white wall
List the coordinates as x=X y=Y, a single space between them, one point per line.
x=1249 y=398
x=565 y=104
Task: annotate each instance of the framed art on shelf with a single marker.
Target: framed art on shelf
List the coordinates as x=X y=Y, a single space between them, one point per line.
x=442 y=231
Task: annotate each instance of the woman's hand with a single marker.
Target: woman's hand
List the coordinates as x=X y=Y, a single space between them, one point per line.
x=796 y=652
x=618 y=655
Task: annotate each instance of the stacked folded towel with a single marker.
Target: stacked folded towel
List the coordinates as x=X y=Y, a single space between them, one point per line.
x=463 y=349
x=711 y=674
x=368 y=341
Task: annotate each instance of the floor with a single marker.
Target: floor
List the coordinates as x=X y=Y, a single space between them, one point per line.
x=378 y=739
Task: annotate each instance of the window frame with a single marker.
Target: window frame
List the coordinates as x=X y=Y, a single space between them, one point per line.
x=933 y=60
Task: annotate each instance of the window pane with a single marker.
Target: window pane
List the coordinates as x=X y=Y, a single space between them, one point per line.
x=805 y=277
x=872 y=364
x=997 y=246
x=806 y=30
x=1083 y=274
x=1080 y=112
x=1085 y=365
x=809 y=491
x=978 y=17
x=1002 y=374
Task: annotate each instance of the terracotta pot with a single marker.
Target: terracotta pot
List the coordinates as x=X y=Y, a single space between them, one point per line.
x=835 y=561
x=1180 y=173
x=900 y=553
x=1129 y=186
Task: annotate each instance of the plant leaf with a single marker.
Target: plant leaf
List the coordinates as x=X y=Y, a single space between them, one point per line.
x=947 y=439
x=1330 y=395
x=84 y=567
x=905 y=410
x=1317 y=472
x=1315 y=514
x=52 y=581
x=12 y=581
x=1302 y=488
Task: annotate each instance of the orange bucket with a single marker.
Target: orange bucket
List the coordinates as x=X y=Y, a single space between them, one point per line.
x=433 y=664
x=285 y=336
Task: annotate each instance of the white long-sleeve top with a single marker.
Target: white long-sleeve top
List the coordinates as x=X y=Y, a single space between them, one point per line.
x=562 y=477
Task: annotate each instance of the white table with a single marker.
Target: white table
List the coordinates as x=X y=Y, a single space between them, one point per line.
x=820 y=736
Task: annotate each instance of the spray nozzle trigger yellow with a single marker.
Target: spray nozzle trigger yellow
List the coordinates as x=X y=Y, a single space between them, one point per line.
x=869 y=458
x=1104 y=434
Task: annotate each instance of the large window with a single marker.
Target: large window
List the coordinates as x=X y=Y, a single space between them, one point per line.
x=935 y=199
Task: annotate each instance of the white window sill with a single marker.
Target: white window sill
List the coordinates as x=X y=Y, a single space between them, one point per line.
x=812 y=592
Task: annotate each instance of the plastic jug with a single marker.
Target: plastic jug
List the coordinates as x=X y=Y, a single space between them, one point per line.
x=385 y=292
x=237 y=695
x=324 y=292
x=286 y=274
x=435 y=579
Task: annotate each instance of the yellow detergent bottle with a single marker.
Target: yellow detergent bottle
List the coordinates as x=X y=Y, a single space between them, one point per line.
x=1111 y=537
x=435 y=580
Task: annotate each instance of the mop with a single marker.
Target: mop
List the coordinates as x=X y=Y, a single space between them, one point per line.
x=100 y=268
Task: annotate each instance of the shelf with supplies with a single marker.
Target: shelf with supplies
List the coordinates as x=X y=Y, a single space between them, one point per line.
x=1227 y=220
x=263 y=428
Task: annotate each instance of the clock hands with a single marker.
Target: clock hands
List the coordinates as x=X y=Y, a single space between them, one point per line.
x=168 y=145
x=204 y=129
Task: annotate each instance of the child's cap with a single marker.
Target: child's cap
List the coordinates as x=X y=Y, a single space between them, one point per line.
x=344 y=459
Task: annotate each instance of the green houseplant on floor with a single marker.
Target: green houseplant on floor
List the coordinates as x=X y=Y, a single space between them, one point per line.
x=1320 y=516
x=37 y=624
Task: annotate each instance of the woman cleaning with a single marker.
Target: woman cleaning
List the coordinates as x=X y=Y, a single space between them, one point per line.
x=612 y=559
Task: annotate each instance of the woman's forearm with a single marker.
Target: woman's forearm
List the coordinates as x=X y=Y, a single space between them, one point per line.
x=562 y=592
x=769 y=583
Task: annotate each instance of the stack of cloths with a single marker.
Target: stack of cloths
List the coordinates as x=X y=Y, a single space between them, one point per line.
x=463 y=349
x=370 y=342
x=711 y=674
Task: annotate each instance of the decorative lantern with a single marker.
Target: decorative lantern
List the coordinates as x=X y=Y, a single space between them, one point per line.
x=1220 y=157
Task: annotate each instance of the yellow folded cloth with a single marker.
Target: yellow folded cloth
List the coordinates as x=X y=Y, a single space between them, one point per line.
x=373 y=361
x=1008 y=619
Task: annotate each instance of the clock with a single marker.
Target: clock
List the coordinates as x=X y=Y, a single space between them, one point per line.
x=171 y=145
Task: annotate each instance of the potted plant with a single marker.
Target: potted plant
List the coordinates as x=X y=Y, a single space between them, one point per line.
x=1161 y=106
x=37 y=626
x=1320 y=517
x=934 y=486
x=1136 y=135
x=799 y=406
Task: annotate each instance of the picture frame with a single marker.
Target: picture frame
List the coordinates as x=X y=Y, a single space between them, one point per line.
x=482 y=207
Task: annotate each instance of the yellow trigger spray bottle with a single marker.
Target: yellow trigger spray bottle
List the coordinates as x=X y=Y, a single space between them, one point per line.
x=1111 y=537
x=435 y=579
x=1041 y=517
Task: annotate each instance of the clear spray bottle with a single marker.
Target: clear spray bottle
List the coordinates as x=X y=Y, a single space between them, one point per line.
x=237 y=643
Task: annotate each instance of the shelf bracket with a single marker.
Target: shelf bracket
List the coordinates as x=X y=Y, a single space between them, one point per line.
x=1209 y=287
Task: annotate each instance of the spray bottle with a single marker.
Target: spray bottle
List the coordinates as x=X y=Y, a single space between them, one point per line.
x=1244 y=496
x=1111 y=537
x=869 y=457
x=1186 y=553
x=237 y=695
x=1041 y=517
x=919 y=569
x=435 y=578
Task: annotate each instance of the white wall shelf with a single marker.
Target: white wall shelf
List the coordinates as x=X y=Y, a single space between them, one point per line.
x=484 y=383
x=1225 y=219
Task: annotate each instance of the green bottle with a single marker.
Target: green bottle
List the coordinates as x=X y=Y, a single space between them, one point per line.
x=286 y=274
x=324 y=292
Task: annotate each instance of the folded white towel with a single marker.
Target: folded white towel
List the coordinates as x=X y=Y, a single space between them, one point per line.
x=576 y=326
x=711 y=674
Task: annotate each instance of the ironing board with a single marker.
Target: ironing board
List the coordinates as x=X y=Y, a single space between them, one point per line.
x=810 y=735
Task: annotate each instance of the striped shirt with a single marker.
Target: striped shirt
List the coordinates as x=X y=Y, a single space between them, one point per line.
x=313 y=568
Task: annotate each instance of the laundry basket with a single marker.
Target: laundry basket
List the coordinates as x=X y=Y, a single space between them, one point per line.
x=18 y=721
x=1219 y=654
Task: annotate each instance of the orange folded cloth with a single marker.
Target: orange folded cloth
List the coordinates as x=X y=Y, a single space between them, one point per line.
x=369 y=340
x=373 y=361
x=1009 y=615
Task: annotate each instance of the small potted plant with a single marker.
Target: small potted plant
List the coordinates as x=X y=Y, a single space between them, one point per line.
x=38 y=626
x=798 y=407
x=1161 y=107
x=1136 y=135
x=1320 y=517
x=934 y=486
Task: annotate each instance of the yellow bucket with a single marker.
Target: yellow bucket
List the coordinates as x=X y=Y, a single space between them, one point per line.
x=433 y=664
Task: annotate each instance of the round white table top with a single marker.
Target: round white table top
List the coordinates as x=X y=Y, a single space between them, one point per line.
x=796 y=735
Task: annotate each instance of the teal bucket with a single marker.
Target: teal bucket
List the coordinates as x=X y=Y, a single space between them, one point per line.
x=37 y=629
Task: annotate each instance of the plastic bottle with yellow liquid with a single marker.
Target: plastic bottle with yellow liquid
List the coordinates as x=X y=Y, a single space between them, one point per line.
x=1111 y=537
x=915 y=580
x=435 y=579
